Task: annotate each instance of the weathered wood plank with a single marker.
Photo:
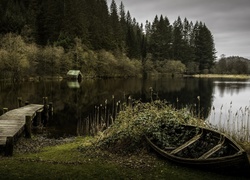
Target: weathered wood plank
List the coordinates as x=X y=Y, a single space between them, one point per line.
x=186 y=144
x=13 y=123
x=10 y=122
x=12 y=117
x=9 y=130
x=2 y=140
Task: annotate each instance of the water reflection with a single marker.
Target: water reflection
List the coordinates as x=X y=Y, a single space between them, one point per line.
x=231 y=87
x=73 y=84
x=72 y=105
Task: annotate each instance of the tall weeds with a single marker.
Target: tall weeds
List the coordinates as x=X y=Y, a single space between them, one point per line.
x=235 y=124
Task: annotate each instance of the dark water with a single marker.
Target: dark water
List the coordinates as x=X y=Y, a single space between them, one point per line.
x=72 y=101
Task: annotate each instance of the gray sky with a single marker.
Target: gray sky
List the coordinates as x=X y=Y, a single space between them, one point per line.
x=228 y=20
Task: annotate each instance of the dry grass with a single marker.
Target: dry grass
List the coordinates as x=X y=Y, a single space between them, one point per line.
x=236 y=76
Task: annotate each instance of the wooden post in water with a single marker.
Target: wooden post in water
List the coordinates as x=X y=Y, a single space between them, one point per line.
x=5 y=110
x=87 y=125
x=101 y=118
x=113 y=109
x=39 y=118
x=26 y=103
x=45 y=111
x=99 y=114
x=28 y=126
x=118 y=107
x=50 y=111
x=19 y=101
x=9 y=146
x=106 y=120
x=95 y=114
x=129 y=101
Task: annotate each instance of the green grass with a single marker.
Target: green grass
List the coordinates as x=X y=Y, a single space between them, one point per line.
x=67 y=162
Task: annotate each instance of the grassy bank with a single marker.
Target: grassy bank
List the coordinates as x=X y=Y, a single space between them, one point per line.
x=67 y=162
x=120 y=152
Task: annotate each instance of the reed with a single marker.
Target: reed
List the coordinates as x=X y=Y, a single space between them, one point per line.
x=235 y=124
x=103 y=115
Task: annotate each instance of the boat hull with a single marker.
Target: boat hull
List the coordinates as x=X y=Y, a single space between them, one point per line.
x=236 y=161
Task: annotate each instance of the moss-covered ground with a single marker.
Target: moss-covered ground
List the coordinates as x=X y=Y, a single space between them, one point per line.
x=67 y=162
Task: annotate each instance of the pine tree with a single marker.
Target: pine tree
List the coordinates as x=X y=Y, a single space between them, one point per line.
x=204 y=47
x=91 y=9
x=104 y=28
x=123 y=22
x=116 y=27
x=154 y=39
x=178 y=41
x=29 y=31
x=49 y=21
x=41 y=36
x=167 y=38
x=188 y=52
x=131 y=43
x=12 y=16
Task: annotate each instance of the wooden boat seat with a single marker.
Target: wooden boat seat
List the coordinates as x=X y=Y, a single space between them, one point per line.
x=214 y=149
x=186 y=144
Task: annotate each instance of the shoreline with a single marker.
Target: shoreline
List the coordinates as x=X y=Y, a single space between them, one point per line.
x=235 y=76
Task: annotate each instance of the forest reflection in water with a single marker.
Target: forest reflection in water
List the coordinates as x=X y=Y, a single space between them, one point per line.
x=74 y=101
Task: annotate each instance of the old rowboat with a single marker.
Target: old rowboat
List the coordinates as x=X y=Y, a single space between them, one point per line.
x=199 y=147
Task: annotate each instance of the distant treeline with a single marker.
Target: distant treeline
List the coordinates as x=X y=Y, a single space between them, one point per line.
x=233 y=65
x=52 y=36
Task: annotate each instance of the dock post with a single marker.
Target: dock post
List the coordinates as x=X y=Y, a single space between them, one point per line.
x=130 y=102
x=5 y=110
x=50 y=111
x=106 y=113
x=39 y=118
x=113 y=109
x=19 y=99
x=45 y=110
x=28 y=126
x=9 y=146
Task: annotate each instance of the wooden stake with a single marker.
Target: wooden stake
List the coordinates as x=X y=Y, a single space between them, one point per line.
x=5 y=110
x=45 y=111
x=28 y=126
x=113 y=109
x=19 y=99
x=50 y=111
x=9 y=146
x=39 y=118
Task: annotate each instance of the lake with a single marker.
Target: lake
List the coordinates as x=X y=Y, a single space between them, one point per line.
x=222 y=103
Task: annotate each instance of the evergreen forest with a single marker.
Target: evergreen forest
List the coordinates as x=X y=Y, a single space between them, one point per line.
x=50 y=37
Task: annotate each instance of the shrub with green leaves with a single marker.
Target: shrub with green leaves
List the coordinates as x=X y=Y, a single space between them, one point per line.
x=127 y=133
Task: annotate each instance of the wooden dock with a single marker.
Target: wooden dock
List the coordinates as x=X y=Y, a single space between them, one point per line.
x=14 y=122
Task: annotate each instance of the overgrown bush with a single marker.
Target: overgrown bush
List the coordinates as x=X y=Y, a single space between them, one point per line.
x=13 y=56
x=127 y=133
x=106 y=64
x=48 y=61
x=165 y=66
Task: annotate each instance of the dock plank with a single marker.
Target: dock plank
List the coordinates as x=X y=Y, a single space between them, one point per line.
x=10 y=122
x=13 y=121
x=2 y=140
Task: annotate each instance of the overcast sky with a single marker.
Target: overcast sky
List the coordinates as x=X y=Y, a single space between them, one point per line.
x=228 y=20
